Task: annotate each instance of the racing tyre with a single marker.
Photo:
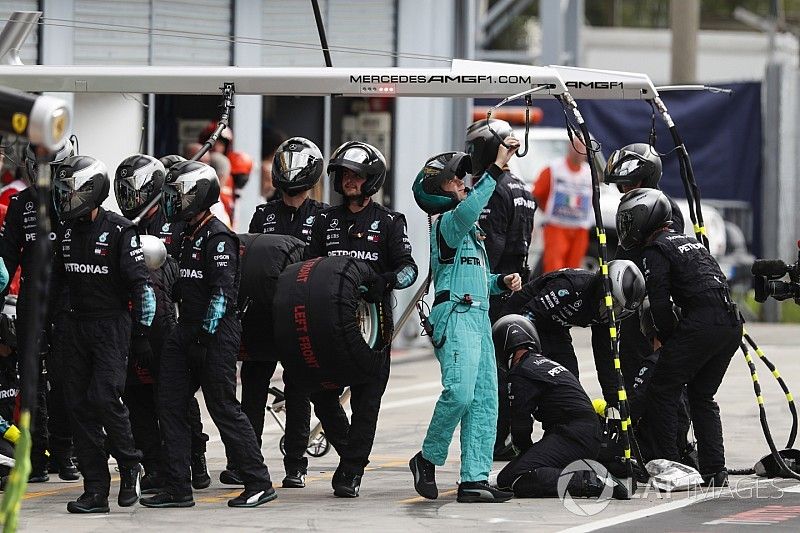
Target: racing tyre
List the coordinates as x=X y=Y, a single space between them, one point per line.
x=264 y=257
x=328 y=336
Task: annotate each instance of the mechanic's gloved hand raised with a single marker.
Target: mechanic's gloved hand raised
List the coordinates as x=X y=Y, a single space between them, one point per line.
x=141 y=351
x=199 y=348
x=380 y=286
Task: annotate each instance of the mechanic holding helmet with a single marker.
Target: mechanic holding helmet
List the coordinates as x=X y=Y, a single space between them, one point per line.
x=461 y=333
x=201 y=350
x=365 y=230
x=570 y=297
x=99 y=258
x=507 y=221
x=540 y=388
x=696 y=351
x=139 y=180
x=297 y=167
x=51 y=429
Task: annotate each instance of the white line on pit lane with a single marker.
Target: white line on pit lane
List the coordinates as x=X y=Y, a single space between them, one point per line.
x=651 y=511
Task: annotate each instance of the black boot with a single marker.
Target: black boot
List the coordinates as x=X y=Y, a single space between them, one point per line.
x=89 y=502
x=200 y=477
x=253 y=498
x=346 y=484
x=720 y=479
x=230 y=476
x=424 y=477
x=152 y=483
x=165 y=499
x=506 y=452
x=481 y=492
x=589 y=484
x=65 y=468
x=129 y=485
x=294 y=480
x=38 y=474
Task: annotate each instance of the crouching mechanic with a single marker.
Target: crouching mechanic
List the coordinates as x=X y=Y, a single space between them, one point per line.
x=362 y=229
x=202 y=349
x=461 y=330
x=575 y=297
x=540 y=388
x=99 y=258
x=697 y=349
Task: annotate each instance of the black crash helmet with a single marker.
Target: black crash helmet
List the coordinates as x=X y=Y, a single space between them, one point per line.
x=363 y=159
x=297 y=166
x=80 y=184
x=510 y=333
x=54 y=158
x=139 y=179
x=637 y=164
x=484 y=138
x=640 y=213
x=192 y=187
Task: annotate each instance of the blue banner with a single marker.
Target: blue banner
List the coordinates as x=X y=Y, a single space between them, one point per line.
x=722 y=133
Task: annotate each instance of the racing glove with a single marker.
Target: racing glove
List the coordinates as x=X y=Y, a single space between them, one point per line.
x=199 y=348
x=141 y=350
x=380 y=286
x=4 y=278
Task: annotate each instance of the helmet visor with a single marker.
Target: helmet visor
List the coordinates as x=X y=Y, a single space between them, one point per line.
x=292 y=164
x=71 y=194
x=625 y=229
x=133 y=192
x=171 y=202
x=627 y=167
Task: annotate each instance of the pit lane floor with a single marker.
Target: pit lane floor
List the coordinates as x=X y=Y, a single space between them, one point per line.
x=388 y=501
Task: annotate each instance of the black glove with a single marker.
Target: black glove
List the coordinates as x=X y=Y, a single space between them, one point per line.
x=199 y=348
x=141 y=351
x=379 y=286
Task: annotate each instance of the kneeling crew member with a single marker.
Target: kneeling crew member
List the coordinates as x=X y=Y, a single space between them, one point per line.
x=461 y=329
x=99 y=258
x=695 y=352
x=203 y=347
x=543 y=389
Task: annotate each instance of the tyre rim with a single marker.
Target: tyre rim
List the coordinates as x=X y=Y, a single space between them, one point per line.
x=367 y=316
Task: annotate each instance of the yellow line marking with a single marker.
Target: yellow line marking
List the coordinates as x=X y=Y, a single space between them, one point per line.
x=418 y=499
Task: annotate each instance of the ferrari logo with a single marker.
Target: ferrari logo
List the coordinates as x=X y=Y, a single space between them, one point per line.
x=19 y=121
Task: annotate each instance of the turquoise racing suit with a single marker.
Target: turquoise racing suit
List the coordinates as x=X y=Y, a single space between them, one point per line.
x=462 y=336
